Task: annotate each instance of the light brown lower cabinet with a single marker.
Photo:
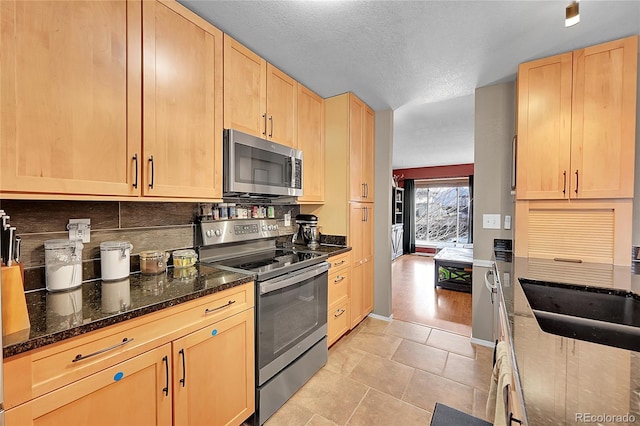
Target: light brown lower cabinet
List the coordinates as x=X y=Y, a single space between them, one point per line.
x=129 y=393
x=213 y=373
x=339 y=310
x=192 y=364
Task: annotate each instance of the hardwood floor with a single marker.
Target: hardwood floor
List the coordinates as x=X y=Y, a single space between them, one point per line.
x=416 y=300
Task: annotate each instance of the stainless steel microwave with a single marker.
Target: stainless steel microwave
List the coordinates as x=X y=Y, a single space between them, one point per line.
x=254 y=165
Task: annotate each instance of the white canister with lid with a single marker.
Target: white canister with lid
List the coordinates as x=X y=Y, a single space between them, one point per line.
x=63 y=264
x=114 y=259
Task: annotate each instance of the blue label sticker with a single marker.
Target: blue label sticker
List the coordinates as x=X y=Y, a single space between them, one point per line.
x=119 y=375
x=214 y=332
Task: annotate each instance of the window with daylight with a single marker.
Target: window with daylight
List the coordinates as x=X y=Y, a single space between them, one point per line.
x=442 y=212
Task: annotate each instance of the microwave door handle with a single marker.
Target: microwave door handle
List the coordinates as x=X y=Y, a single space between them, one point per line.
x=293 y=172
x=279 y=283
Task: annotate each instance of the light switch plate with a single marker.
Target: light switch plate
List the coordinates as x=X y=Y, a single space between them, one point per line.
x=507 y=222
x=491 y=221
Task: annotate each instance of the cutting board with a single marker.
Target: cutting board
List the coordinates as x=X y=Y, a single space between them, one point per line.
x=15 y=317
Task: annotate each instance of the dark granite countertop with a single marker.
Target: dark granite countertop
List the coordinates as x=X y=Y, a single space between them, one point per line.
x=56 y=316
x=565 y=380
x=331 y=250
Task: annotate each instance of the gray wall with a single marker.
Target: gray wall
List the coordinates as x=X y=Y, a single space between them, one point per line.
x=494 y=129
x=382 y=212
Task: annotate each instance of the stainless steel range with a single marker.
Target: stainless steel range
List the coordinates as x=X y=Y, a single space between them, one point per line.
x=291 y=304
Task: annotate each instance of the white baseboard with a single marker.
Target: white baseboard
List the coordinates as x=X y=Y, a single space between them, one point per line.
x=483 y=342
x=380 y=317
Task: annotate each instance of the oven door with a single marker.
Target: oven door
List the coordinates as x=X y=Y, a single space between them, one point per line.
x=291 y=317
x=255 y=165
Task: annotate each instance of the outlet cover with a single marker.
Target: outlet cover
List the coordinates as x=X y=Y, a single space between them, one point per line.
x=80 y=229
x=491 y=221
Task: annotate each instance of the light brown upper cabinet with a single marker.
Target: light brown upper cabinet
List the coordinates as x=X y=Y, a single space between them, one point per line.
x=259 y=99
x=361 y=150
x=576 y=123
x=70 y=97
x=182 y=103
x=72 y=101
x=311 y=142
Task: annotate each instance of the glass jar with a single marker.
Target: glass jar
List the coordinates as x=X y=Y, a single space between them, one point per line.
x=184 y=258
x=63 y=264
x=153 y=261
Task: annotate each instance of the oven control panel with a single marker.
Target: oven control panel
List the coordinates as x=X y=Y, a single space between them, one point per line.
x=229 y=231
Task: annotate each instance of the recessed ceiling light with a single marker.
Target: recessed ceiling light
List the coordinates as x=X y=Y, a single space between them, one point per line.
x=572 y=15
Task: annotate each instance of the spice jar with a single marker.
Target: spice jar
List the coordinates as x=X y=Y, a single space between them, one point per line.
x=153 y=261
x=184 y=258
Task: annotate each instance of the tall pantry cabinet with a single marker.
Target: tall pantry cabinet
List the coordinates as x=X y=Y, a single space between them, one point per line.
x=349 y=201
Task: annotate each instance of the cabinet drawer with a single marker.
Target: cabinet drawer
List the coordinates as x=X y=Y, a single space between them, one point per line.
x=339 y=284
x=339 y=261
x=338 y=320
x=37 y=372
x=134 y=392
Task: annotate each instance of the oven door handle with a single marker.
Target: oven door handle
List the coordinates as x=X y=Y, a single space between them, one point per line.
x=289 y=280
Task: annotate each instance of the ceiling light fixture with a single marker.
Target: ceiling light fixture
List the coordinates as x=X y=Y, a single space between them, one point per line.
x=572 y=15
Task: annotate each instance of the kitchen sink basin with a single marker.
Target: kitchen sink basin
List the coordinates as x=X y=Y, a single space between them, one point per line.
x=606 y=316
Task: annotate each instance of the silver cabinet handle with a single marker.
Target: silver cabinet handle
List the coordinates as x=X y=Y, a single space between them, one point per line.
x=338 y=279
x=80 y=357
x=340 y=312
x=366 y=190
x=208 y=311
x=271 y=131
x=564 y=182
x=363 y=189
x=264 y=116
x=576 y=182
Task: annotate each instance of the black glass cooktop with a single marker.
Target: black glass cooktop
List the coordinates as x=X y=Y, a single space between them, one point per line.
x=271 y=263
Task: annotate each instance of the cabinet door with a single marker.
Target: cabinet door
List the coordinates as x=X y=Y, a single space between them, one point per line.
x=603 y=121
x=367 y=288
x=311 y=142
x=356 y=295
x=245 y=89
x=182 y=103
x=135 y=392
x=213 y=373
x=368 y=154
x=608 y=387
x=356 y=141
x=70 y=96
x=357 y=214
x=282 y=101
x=544 y=128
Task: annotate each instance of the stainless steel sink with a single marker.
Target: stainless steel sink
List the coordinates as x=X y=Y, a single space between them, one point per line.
x=605 y=316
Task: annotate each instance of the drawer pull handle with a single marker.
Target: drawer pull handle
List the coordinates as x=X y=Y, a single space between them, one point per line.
x=566 y=259
x=338 y=263
x=208 y=311
x=340 y=312
x=338 y=279
x=135 y=158
x=80 y=357
x=165 y=359
x=184 y=369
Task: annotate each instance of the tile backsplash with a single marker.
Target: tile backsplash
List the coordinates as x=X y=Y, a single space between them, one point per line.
x=146 y=225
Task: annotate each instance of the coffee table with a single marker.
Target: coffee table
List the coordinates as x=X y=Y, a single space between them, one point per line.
x=453 y=268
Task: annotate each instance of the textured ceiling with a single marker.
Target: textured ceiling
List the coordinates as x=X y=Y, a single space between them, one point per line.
x=422 y=59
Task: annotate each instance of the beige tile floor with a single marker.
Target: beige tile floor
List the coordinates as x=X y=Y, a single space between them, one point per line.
x=392 y=373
